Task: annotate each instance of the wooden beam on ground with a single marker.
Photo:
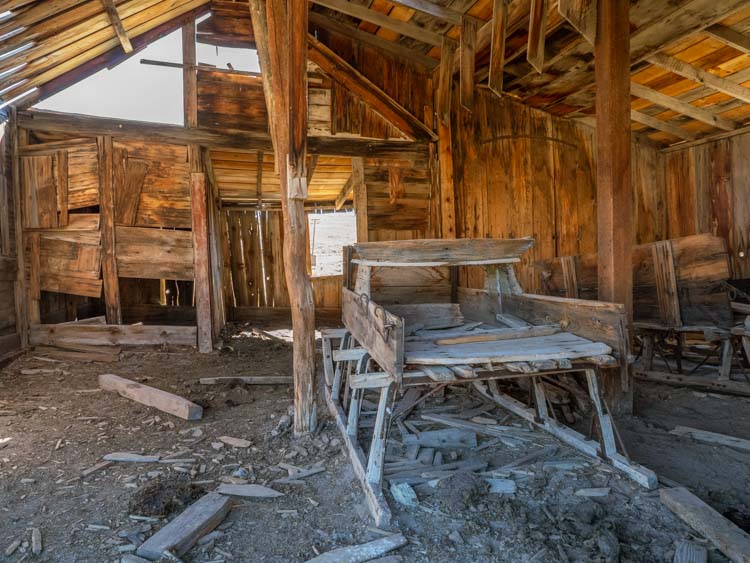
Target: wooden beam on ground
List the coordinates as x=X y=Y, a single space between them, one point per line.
x=201 y=260
x=468 y=61
x=150 y=396
x=497 y=46
x=114 y=19
x=84 y=125
x=69 y=335
x=382 y=20
x=581 y=14
x=345 y=193
x=349 y=77
x=731 y=37
x=183 y=532
x=727 y=537
x=614 y=192
x=700 y=76
x=415 y=57
x=537 y=34
x=359 y=187
x=668 y=102
x=659 y=125
x=107 y=227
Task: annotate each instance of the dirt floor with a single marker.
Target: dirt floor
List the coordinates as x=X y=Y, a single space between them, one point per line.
x=59 y=424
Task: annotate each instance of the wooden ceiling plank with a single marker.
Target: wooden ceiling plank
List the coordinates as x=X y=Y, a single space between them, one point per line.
x=731 y=37
x=348 y=76
x=82 y=51
x=114 y=19
x=35 y=14
x=378 y=18
x=333 y=26
x=660 y=125
x=537 y=34
x=681 y=107
x=701 y=76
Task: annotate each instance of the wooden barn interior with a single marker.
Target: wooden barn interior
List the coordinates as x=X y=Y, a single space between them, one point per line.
x=550 y=169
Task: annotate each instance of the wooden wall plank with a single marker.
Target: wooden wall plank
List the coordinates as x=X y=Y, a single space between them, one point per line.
x=107 y=222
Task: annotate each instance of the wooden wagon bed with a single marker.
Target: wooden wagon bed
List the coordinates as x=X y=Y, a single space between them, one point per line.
x=474 y=337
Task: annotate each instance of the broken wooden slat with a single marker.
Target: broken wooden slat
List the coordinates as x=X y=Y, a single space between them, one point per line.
x=437 y=373
x=183 y=532
x=728 y=538
x=445 y=438
x=362 y=552
x=149 y=396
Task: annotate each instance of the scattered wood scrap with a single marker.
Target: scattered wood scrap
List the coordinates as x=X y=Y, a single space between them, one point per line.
x=712 y=437
x=362 y=552
x=128 y=457
x=690 y=552
x=183 y=532
x=36 y=541
x=728 y=538
x=248 y=491
x=149 y=396
x=249 y=380
x=445 y=438
x=235 y=442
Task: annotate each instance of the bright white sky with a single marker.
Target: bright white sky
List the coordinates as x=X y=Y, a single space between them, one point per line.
x=144 y=92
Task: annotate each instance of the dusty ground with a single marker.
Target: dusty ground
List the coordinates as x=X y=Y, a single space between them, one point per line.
x=61 y=425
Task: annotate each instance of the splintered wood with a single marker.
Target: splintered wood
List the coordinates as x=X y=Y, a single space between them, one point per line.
x=149 y=396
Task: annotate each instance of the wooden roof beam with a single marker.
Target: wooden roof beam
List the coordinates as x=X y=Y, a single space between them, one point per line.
x=701 y=76
x=348 y=76
x=660 y=125
x=378 y=18
x=434 y=10
x=114 y=19
x=320 y=20
x=681 y=107
x=731 y=37
x=537 y=34
x=345 y=194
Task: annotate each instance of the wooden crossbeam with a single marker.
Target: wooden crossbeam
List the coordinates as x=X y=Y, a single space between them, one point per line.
x=378 y=18
x=701 y=76
x=345 y=193
x=319 y=20
x=581 y=14
x=537 y=34
x=660 y=125
x=731 y=37
x=114 y=18
x=497 y=46
x=679 y=106
x=434 y=10
x=348 y=76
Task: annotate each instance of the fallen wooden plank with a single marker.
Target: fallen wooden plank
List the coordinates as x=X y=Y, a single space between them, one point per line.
x=183 y=532
x=248 y=491
x=149 y=396
x=249 y=380
x=728 y=538
x=81 y=352
x=127 y=457
x=361 y=552
x=120 y=335
x=445 y=438
x=690 y=552
x=696 y=382
x=712 y=437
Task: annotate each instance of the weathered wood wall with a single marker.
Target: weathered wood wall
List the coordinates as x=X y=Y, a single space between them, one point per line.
x=255 y=265
x=521 y=172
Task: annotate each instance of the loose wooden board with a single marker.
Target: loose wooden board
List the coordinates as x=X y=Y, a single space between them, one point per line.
x=149 y=396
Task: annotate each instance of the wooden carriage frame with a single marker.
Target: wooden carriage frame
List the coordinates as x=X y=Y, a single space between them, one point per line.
x=373 y=334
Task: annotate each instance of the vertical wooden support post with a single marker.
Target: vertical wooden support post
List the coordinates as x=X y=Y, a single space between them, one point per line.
x=199 y=198
x=497 y=49
x=379 y=434
x=21 y=297
x=107 y=227
x=189 y=76
x=467 y=61
x=445 y=148
x=34 y=287
x=280 y=29
x=360 y=199
x=614 y=194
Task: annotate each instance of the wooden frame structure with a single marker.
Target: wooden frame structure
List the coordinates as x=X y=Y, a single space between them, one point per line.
x=500 y=337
